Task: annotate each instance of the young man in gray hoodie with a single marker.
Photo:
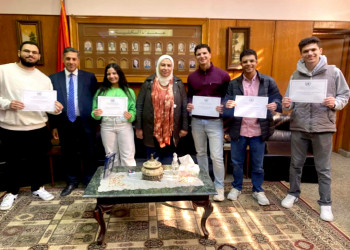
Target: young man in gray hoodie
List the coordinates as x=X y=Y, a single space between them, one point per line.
x=314 y=123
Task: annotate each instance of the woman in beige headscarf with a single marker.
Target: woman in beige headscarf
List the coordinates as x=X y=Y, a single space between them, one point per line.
x=161 y=116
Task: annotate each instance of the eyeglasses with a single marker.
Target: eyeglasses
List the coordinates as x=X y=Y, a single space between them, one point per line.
x=30 y=51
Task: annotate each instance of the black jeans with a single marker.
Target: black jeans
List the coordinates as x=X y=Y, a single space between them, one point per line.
x=164 y=155
x=25 y=156
x=77 y=149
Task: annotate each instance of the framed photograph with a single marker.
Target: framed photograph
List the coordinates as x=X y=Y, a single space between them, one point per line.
x=111 y=46
x=29 y=30
x=139 y=43
x=100 y=46
x=237 y=41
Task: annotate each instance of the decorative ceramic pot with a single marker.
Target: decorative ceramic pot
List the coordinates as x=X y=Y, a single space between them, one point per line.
x=152 y=170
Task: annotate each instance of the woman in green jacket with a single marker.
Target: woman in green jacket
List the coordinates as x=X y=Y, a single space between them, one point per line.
x=116 y=131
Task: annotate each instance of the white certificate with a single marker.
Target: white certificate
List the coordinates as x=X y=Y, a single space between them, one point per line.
x=112 y=106
x=205 y=106
x=310 y=91
x=251 y=106
x=39 y=100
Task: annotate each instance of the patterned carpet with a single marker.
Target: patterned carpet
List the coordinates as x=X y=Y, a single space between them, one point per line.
x=68 y=223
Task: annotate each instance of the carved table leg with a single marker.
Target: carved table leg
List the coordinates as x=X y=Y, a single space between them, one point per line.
x=100 y=209
x=208 y=209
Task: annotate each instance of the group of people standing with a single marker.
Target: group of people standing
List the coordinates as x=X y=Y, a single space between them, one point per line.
x=161 y=114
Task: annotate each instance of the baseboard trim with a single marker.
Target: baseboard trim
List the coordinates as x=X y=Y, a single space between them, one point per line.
x=344 y=153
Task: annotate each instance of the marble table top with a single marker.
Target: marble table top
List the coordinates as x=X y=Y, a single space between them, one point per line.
x=91 y=190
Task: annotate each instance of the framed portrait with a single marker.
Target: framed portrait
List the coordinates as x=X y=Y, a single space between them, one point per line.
x=158 y=48
x=135 y=63
x=135 y=47
x=137 y=43
x=111 y=46
x=100 y=46
x=29 y=30
x=147 y=48
x=192 y=64
x=192 y=47
x=123 y=47
x=181 y=48
x=170 y=48
x=237 y=41
x=147 y=64
x=87 y=47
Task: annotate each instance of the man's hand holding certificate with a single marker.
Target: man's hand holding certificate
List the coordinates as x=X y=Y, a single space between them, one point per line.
x=112 y=106
x=206 y=106
x=41 y=100
x=309 y=91
x=251 y=106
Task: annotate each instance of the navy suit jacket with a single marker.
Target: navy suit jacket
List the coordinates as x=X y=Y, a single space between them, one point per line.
x=87 y=87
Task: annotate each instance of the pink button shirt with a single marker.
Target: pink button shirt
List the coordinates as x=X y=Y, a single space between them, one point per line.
x=250 y=126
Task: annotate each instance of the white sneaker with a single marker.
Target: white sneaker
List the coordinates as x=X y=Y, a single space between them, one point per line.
x=326 y=213
x=8 y=201
x=220 y=196
x=43 y=194
x=261 y=198
x=233 y=194
x=289 y=201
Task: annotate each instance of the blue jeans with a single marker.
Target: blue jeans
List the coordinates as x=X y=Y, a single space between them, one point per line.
x=203 y=129
x=238 y=152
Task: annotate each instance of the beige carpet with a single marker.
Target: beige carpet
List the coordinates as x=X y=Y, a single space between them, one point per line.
x=68 y=223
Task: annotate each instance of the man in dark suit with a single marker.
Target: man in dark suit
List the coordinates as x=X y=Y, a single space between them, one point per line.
x=74 y=127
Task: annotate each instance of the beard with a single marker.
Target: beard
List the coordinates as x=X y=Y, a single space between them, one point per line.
x=26 y=63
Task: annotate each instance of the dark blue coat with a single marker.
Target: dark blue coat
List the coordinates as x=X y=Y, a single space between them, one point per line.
x=87 y=87
x=267 y=88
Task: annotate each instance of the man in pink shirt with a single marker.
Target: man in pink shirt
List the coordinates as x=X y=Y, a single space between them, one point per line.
x=245 y=131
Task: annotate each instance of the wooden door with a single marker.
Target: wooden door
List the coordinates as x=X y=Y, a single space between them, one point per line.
x=336 y=46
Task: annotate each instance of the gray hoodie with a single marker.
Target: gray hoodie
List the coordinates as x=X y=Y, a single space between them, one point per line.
x=316 y=117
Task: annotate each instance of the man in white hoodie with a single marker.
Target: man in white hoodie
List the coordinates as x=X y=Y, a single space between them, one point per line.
x=314 y=123
x=24 y=134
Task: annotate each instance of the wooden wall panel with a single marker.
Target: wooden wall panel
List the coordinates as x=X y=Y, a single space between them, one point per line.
x=262 y=35
x=333 y=49
x=286 y=53
x=331 y=25
x=261 y=40
x=8 y=41
x=49 y=29
x=345 y=135
x=275 y=41
x=218 y=41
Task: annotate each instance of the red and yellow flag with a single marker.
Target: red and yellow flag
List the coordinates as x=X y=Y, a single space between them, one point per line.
x=63 y=37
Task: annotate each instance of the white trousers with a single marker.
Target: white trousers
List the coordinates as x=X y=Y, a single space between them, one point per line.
x=118 y=138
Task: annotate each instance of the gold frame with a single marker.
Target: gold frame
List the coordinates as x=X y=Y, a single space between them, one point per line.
x=30 y=30
x=76 y=20
x=236 y=36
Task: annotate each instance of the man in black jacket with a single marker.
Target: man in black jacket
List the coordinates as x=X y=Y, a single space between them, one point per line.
x=250 y=130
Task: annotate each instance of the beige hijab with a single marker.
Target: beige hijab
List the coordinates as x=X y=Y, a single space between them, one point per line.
x=164 y=81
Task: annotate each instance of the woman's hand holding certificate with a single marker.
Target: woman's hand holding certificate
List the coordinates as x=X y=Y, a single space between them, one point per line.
x=112 y=106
